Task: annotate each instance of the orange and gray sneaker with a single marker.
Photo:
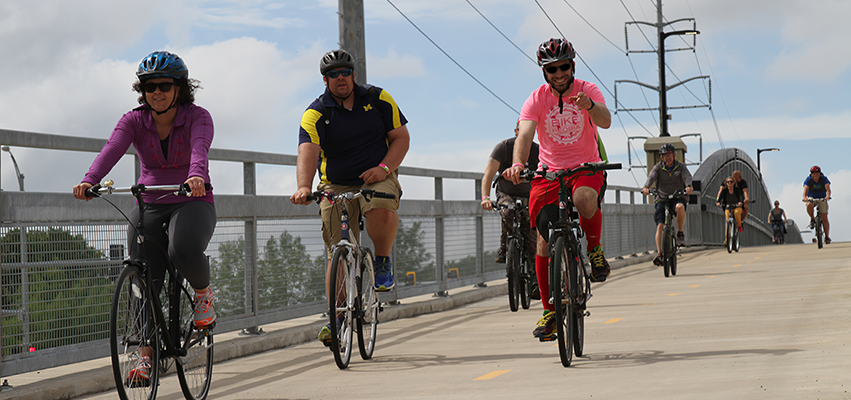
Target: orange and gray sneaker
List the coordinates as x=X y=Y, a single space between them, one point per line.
x=205 y=313
x=546 y=329
x=140 y=375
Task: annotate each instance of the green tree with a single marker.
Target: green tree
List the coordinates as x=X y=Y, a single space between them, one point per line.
x=411 y=254
x=67 y=285
x=285 y=272
x=227 y=278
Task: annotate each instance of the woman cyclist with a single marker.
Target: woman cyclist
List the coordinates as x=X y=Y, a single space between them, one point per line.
x=172 y=137
x=731 y=195
x=777 y=219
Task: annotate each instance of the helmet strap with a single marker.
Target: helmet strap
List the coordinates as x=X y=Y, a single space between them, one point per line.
x=173 y=103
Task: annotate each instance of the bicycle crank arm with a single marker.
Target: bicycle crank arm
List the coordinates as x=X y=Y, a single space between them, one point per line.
x=185 y=361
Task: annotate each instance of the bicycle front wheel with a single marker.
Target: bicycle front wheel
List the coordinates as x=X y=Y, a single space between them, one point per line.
x=580 y=287
x=673 y=246
x=666 y=250
x=133 y=337
x=195 y=369
x=341 y=306
x=819 y=233
x=560 y=294
x=512 y=265
x=368 y=306
x=730 y=235
x=526 y=278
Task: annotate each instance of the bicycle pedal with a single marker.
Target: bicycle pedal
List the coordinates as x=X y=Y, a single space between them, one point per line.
x=587 y=313
x=548 y=339
x=208 y=327
x=327 y=343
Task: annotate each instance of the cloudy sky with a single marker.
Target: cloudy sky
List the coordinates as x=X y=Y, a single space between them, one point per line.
x=778 y=75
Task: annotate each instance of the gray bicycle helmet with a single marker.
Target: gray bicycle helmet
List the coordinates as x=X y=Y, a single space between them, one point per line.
x=666 y=148
x=336 y=59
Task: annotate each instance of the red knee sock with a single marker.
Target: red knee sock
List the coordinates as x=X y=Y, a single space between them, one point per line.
x=592 y=228
x=542 y=269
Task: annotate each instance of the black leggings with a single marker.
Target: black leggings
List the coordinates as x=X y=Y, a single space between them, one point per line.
x=190 y=227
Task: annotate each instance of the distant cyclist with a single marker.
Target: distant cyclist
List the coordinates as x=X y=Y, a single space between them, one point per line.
x=731 y=196
x=507 y=192
x=777 y=219
x=565 y=112
x=355 y=137
x=742 y=186
x=670 y=176
x=817 y=186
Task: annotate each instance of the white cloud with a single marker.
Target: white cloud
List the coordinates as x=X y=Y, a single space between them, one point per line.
x=395 y=65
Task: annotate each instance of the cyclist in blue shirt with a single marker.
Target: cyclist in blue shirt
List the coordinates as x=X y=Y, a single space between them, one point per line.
x=817 y=186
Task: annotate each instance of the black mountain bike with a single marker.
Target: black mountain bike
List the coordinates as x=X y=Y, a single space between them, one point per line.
x=819 y=225
x=569 y=269
x=138 y=326
x=354 y=299
x=779 y=238
x=731 y=231
x=669 y=233
x=521 y=281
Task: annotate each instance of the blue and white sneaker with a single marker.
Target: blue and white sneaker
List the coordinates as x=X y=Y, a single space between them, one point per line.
x=384 y=276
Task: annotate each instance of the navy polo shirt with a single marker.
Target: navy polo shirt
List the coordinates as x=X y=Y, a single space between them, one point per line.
x=352 y=141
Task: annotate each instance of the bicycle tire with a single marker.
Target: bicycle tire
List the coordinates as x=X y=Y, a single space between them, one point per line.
x=819 y=231
x=666 y=250
x=195 y=373
x=341 y=288
x=673 y=261
x=581 y=286
x=525 y=281
x=131 y=328
x=368 y=307
x=512 y=266
x=558 y=282
x=729 y=234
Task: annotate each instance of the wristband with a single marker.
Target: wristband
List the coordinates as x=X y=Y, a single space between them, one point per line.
x=385 y=168
x=486 y=198
x=592 y=104
x=517 y=163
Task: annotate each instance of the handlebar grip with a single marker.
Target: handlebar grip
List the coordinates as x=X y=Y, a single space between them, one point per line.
x=382 y=195
x=185 y=190
x=93 y=191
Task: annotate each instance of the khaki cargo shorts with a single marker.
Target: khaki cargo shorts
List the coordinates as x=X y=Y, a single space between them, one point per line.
x=331 y=214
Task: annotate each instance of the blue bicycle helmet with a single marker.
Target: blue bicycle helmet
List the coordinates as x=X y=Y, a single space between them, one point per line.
x=162 y=64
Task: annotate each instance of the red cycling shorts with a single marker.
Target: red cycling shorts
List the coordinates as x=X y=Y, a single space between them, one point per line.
x=546 y=192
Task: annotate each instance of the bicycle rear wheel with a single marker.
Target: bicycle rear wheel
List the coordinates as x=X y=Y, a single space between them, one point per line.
x=368 y=306
x=729 y=235
x=525 y=281
x=819 y=232
x=559 y=288
x=133 y=333
x=580 y=288
x=673 y=256
x=341 y=305
x=512 y=265
x=666 y=250
x=195 y=369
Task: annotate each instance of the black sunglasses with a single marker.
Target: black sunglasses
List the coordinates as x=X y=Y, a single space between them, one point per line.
x=164 y=87
x=335 y=74
x=729 y=181
x=563 y=67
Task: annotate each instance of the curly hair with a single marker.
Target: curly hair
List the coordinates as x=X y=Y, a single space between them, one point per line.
x=188 y=87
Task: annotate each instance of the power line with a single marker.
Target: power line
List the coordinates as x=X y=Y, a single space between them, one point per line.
x=452 y=59
x=500 y=32
x=592 y=27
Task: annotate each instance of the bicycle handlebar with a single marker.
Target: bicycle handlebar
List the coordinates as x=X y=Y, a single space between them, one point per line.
x=814 y=199
x=367 y=194
x=675 y=195
x=107 y=188
x=587 y=168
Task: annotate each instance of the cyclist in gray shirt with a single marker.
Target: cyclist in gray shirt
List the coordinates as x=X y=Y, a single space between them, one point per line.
x=670 y=176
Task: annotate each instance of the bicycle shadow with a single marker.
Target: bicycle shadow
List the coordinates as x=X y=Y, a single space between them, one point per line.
x=652 y=357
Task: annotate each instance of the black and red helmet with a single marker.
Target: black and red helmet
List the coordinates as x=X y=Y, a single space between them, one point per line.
x=555 y=50
x=815 y=168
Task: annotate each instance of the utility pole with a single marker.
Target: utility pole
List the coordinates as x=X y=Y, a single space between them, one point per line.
x=653 y=144
x=353 y=35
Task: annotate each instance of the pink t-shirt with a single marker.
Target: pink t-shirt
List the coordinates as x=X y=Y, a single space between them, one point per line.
x=566 y=139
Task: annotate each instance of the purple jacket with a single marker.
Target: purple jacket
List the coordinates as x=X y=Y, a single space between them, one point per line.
x=189 y=143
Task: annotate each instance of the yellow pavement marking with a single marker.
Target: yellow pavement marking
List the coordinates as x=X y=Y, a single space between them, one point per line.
x=491 y=375
x=674 y=294
x=757 y=258
x=711 y=276
x=737 y=265
x=612 y=321
x=694 y=286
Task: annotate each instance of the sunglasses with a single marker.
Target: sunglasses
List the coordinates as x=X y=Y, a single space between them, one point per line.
x=563 y=67
x=729 y=181
x=335 y=74
x=164 y=87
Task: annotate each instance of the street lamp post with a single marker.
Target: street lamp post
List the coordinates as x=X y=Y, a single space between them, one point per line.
x=663 y=90
x=758 y=165
x=17 y=170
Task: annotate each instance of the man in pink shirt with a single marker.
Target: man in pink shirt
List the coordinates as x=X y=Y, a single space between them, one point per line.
x=565 y=112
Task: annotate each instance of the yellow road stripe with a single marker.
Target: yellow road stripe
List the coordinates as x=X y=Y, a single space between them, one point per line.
x=711 y=276
x=674 y=294
x=612 y=321
x=737 y=265
x=757 y=258
x=694 y=286
x=491 y=375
